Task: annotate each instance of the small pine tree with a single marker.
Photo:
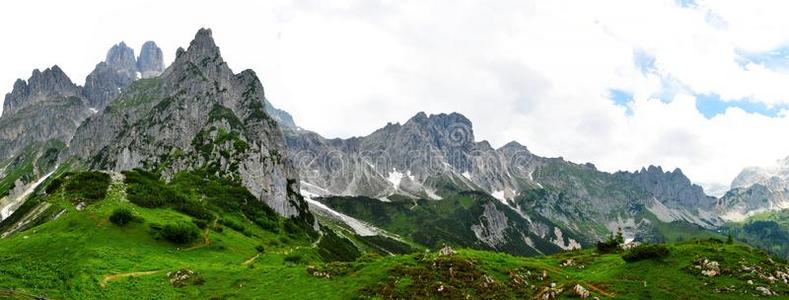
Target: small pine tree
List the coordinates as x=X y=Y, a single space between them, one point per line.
x=620 y=239
x=121 y=216
x=729 y=239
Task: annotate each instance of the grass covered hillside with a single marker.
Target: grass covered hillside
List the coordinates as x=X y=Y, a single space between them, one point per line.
x=769 y=230
x=94 y=235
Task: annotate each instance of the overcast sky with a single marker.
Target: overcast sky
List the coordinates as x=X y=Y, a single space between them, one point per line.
x=699 y=85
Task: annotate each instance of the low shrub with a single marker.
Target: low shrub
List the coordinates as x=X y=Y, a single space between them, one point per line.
x=294 y=258
x=267 y=224
x=260 y=248
x=200 y=223
x=612 y=245
x=87 y=186
x=646 y=251
x=180 y=233
x=233 y=224
x=121 y=216
x=333 y=247
x=146 y=189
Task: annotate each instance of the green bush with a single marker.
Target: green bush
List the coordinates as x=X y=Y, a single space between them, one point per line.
x=233 y=224
x=147 y=190
x=611 y=245
x=260 y=248
x=267 y=224
x=54 y=185
x=180 y=233
x=333 y=247
x=121 y=216
x=87 y=186
x=646 y=251
x=200 y=223
x=294 y=258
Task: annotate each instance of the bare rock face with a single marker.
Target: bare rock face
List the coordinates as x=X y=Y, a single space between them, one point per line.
x=436 y=156
x=756 y=190
x=150 y=63
x=48 y=106
x=110 y=77
x=197 y=115
x=41 y=87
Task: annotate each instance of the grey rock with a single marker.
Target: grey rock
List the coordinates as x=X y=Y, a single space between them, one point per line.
x=46 y=107
x=282 y=117
x=41 y=87
x=197 y=115
x=111 y=76
x=755 y=190
x=150 y=63
x=491 y=227
x=431 y=157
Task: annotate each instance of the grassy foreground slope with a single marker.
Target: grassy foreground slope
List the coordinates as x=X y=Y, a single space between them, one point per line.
x=81 y=254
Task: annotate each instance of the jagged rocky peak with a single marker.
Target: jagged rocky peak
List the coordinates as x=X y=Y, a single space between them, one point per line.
x=775 y=175
x=150 y=63
x=672 y=188
x=443 y=131
x=203 y=54
x=202 y=46
x=40 y=86
x=514 y=147
x=121 y=57
x=755 y=190
x=193 y=108
x=110 y=77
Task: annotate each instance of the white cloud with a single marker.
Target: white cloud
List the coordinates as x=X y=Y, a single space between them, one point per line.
x=534 y=71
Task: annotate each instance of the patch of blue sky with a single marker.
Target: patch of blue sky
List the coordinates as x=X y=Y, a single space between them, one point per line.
x=686 y=3
x=621 y=98
x=776 y=59
x=711 y=105
x=644 y=61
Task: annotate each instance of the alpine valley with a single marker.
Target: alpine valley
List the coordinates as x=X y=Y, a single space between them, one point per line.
x=184 y=181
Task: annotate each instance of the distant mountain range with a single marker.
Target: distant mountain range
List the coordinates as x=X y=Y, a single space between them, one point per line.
x=196 y=114
x=186 y=182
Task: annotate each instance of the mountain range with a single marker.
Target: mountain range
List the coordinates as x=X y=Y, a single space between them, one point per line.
x=196 y=141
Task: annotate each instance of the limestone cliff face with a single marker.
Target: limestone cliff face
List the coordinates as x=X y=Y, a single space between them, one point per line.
x=435 y=156
x=118 y=70
x=756 y=190
x=197 y=115
x=48 y=106
x=150 y=63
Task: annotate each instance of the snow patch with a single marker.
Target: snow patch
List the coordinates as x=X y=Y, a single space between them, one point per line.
x=313 y=190
x=93 y=110
x=432 y=194
x=467 y=175
x=17 y=201
x=395 y=177
x=359 y=227
x=500 y=195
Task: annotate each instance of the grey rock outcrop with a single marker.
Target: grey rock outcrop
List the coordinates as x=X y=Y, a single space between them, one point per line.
x=110 y=77
x=431 y=157
x=756 y=190
x=282 y=117
x=150 y=63
x=46 y=107
x=197 y=115
x=41 y=87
